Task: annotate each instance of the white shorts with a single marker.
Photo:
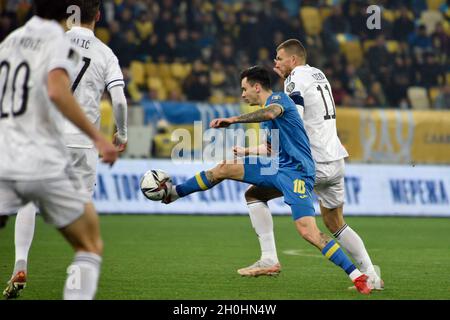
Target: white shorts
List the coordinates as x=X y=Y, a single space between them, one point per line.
x=329 y=185
x=61 y=201
x=84 y=164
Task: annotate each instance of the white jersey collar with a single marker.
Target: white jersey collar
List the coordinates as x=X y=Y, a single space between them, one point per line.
x=83 y=31
x=299 y=68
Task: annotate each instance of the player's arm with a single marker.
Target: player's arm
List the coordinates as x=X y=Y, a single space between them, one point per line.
x=262 y=149
x=119 y=103
x=58 y=88
x=268 y=113
x=299 y=102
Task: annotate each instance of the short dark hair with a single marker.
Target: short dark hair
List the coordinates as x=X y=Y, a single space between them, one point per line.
x=294 y=46
x=88 y=8
x=51 y=9
x=257 y=74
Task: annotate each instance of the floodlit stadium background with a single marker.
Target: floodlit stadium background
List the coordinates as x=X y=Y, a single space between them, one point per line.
x=181 y=61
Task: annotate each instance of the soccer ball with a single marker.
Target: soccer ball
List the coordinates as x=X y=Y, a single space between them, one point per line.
x=155 y=184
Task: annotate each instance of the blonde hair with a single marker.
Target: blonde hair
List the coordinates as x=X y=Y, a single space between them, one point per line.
x=295 y=47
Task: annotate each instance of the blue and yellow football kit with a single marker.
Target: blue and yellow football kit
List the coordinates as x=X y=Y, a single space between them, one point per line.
x=294 y=172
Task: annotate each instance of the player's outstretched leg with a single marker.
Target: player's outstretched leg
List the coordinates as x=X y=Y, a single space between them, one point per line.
x=83 y=274
x=306 y=226
x=23 y=236
x=262 y=222
x=352 y=243
x=206 y=180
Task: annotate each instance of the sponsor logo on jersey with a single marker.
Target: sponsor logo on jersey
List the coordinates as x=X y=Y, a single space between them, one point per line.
x=290 y=87
x=275 y=98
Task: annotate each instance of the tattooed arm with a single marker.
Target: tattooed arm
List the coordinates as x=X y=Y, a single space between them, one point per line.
x=261 y=150
x=271 y=112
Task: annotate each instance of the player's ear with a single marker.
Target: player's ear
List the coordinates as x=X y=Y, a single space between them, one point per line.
x=97 y=16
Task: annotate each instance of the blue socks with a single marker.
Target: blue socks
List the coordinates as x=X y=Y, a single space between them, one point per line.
x=334 y=253
x=197 y=183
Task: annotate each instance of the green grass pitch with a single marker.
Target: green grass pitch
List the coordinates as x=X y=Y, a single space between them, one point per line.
x=196 y=257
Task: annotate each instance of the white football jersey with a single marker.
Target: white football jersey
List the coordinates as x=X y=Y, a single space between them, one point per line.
x=31 y=126
x=98 y=71
x=309 y=88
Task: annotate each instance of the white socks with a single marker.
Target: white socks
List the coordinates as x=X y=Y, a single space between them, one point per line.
x=262 y=222
x=352 y=243
x=23 y=235
x=82 y=277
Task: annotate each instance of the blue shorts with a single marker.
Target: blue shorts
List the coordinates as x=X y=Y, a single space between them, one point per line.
x=295 y=185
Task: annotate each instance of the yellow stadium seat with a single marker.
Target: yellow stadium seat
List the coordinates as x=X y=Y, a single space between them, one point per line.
x=389 y=15
x=179 y=71
x=164 y=70
x=217 y=97
x=217 y=78
x=163 y=145
x=107 y=124
x=418 y=98
x=137 y=71
x=434 y=92
x=231 y=99
x=368 y=44
x=434 y=4
x=103 y=34
x=353 y=52
x=151 y=69
x=325 y=12
x=156 y=84
x=392 y=46
x=312 y=21
x=170 y=84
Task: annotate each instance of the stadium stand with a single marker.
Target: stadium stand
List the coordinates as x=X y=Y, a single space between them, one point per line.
x=160 y=42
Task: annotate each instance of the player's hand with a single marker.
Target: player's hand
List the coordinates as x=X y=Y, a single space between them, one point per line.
x=221 y=123
x=239 y=151
x=107 y=150
x=120 y=142
x=278 y=72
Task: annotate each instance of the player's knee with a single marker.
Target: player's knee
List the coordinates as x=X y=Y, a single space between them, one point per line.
x=98 y=247
x=250 y=195
x=329 y=223
x=92 y=245
x=333 y=221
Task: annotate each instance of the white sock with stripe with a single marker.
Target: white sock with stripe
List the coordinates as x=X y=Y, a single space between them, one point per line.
x=353 y=244
x=82 y=278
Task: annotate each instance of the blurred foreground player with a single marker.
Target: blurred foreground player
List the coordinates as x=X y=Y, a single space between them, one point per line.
x=99 y=69
x=36 y=64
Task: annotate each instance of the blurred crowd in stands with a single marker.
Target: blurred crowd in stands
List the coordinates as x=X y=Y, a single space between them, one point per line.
x=194 y=49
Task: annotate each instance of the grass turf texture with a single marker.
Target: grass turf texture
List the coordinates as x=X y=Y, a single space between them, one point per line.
x=196 y=257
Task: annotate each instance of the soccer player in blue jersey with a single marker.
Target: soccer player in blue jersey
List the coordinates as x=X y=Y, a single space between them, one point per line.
x=292 y=171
